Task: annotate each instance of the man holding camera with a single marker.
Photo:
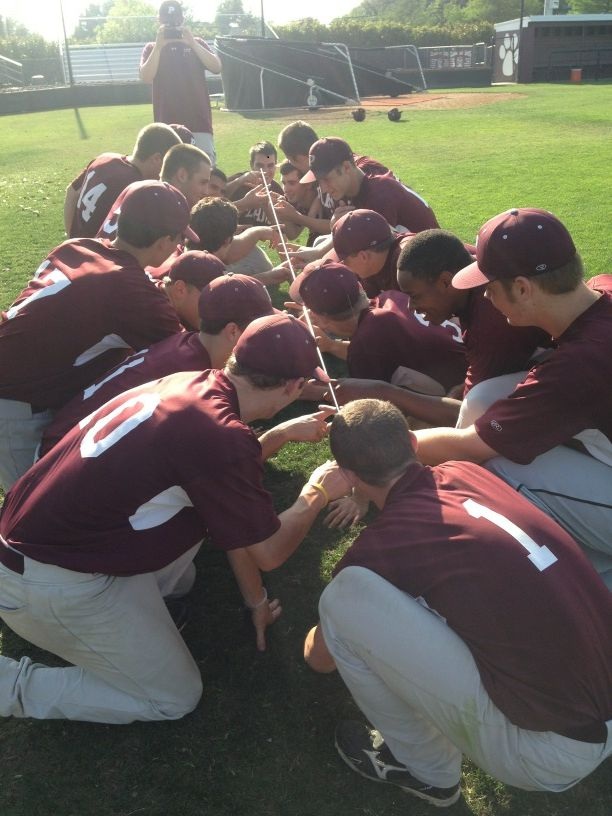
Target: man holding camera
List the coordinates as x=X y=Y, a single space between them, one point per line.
x=176 y=64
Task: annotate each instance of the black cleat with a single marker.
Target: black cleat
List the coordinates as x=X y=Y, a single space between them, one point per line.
x=364 y=750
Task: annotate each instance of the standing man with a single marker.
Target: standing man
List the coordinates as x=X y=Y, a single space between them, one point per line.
x=176 y=64
x=107 y=524
x=92 y=193
x=87 y=306
x=463 y=621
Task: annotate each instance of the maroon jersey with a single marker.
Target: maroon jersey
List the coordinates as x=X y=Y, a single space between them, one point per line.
x=108 y=228
x=180 y=92
x=257 y=216
x=179 y=352
x=399 y=205
x=141 y=480
x=367 y=165
x=568 y=395
x=100 y=183
x=511 y=583
x=86 y=307
x=390 y=335
x=494 y=347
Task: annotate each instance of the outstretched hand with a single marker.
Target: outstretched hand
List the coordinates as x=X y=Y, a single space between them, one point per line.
x=310 y=427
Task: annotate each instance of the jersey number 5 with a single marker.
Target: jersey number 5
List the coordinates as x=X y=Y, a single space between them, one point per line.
x=539 y=555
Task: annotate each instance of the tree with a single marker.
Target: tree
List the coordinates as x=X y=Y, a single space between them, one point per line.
x=232 y=20
x=590 y=6
x=87 y=29
x=129 y=21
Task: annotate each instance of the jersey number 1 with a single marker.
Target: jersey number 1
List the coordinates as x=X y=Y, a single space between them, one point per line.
x=539 y=555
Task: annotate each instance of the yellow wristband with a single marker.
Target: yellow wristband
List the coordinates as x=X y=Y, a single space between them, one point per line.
x=319 y=487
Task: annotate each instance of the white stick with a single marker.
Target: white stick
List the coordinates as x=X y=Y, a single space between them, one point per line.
x=293 y=275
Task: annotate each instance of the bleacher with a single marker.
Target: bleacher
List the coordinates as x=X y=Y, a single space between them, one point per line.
x=105 y=63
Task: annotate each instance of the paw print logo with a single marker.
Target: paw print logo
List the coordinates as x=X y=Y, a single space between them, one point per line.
x=508 y=54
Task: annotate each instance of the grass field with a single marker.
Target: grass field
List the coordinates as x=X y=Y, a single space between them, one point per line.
x=261 y=741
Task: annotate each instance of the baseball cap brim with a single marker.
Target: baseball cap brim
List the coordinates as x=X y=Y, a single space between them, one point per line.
x=469 y=277
x=308 y=178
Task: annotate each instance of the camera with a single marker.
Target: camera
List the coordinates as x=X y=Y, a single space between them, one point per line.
x=172 y=33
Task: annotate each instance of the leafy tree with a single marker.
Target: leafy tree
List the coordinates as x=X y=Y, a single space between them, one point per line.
x=87 y=30
x=591 y=6
x=232 y=20
x=129 y=21
x=18 y=43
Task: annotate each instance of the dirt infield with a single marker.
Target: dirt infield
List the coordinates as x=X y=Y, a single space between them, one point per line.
x=421 y=101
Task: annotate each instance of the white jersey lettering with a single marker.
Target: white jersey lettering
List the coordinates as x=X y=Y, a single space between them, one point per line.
x=539 y=555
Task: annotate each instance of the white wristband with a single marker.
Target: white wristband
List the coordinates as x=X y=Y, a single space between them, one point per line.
x=259 y=603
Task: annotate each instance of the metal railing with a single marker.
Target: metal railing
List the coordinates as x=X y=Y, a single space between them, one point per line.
x=11 y=72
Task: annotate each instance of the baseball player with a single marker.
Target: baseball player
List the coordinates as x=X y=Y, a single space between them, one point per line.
x=175 y=65
x=332 y=165
x=186 y=275
x=463 y=620
x=494 y=347
x=185 y=167
x=227 y=304
x=550 y=437
x=108 y=523
x=299 y=197
x=92 y=193
x=215 y=222
x=295 y=140
x=381 y=339
x=87 y=306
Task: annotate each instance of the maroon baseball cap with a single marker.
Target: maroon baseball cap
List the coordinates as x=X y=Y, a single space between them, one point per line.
x=196 y=268
x=184 y=134
x=330 y=288
x=522 y=241
x=324 y=155
x=279 y=346
x=234 y=299
x=158 y=205
x=358 y=230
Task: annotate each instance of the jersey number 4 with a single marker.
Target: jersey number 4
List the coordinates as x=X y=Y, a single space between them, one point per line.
x=89 y=198
x=539 y=555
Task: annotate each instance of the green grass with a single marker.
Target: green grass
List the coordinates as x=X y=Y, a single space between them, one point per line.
x=261 y=740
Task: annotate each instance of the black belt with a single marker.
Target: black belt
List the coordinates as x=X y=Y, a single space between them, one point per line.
x=11 y=559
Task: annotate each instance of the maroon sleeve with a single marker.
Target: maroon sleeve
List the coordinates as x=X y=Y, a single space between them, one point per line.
x=556 y=401
x=237 y=509
x=143 y=313
x=493 y=346
x=146 y=53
